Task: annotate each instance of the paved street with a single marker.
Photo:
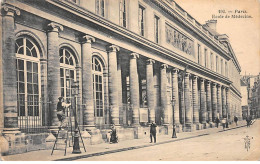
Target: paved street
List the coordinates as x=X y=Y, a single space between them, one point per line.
x=227 y=145
x=207 y=144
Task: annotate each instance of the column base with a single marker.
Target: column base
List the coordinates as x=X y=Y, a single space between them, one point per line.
x=189 y=127
x=178 y=128
x=205 y=125
x=15 y=140
x=212 y=124
x=4 y=145
x=96 y=136
x=198 y=126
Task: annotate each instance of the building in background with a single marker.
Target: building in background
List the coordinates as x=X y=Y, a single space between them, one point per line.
x=136 y=61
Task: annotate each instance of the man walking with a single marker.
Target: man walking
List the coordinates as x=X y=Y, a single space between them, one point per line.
x=235 y=119
x=153 y=132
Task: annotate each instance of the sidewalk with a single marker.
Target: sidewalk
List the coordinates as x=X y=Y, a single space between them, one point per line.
x=106 y=148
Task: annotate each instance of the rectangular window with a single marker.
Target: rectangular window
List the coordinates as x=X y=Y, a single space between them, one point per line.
x=221 y=66
x=199 y=58
x=206 y=57
x=211 y=61
x=123 y=13
x=156 y=28
x=216 y=63
x=141 y=20
x=100 y=7
x=226 y=69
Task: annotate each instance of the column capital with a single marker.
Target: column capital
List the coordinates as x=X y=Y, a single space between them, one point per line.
x=202 y=79
x=88 y=39
x=10 y=10
x=150 y=62
x=208 y=82
x=113 y=48
x=213 y=84
x=223 y=87
x=55 y=27
x=134 y=55
x=219 y=85
x=195 y=77
x=164 y=66
x=227 y=88
x=187 y=74
x=175 y=70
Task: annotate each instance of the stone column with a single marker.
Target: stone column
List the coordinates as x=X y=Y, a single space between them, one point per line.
x=134 y=88
x=203 y=101
x=195 y=99
x=228 y=105
x=150 y=89
x=224 y=102
x=87 y=81
x=182 y=106
x=164 y=100
x=214 y=102
x=175 y=96
x=188 y=112
x=54 y=90
x=113 y=83
x=44 y=92
x=8 y=87
x=209 y=105
x=119 y=84
x=219 y=101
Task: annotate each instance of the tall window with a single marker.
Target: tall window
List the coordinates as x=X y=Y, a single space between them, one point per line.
x=28 y=83
x=206 y=57
x=123 y=13
x=216 y=63
x=211 y=61
x=100 y=7
x=221 y=67
x=226 y=69
x=156 y=28
x=141 y=20
x=199 y=58
x=98 y=87
x=67 y=72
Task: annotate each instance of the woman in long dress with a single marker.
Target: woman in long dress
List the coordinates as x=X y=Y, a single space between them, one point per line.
x=113 y=138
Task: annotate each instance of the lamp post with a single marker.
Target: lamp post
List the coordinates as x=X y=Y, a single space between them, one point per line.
x=75 y=92
x=173 y=129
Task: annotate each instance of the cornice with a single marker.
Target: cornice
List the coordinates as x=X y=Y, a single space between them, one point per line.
x=200 y=30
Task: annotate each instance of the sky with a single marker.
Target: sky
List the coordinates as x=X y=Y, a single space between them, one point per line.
x=243 y=33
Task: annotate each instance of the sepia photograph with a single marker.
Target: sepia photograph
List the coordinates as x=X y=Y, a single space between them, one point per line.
x=130 y=80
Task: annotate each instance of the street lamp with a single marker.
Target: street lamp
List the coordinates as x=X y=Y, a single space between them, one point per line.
x=75 y=92
x=173 y=129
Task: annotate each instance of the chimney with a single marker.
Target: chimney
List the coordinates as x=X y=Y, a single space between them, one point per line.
x=212 y=24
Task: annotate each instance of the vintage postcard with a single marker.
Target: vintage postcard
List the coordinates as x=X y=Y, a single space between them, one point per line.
x=130 y=80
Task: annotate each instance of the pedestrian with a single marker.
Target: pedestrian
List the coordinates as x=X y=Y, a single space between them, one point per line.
x=235 y=119
x=174 y=131
x=60 y=110
x=153 y=132
x=224 y=123
x=248 y=121
x=113 y=137
x=217 y=121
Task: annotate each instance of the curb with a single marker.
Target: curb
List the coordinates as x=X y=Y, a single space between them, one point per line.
x=138 y=147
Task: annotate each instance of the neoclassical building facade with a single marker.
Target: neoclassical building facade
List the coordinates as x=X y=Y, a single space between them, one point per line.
x=136 y=61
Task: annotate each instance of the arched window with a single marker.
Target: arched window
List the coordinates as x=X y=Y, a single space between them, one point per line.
x=98 y=91
x=67 y=72
x=28 y=83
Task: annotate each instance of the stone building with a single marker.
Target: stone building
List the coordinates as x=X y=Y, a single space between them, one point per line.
x=135 y=61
